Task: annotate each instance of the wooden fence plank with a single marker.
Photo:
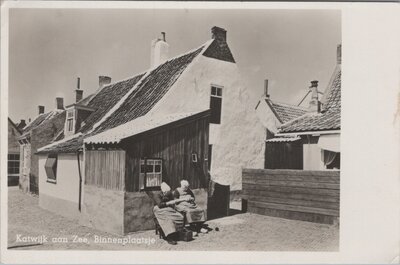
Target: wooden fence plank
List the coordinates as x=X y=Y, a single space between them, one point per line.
x=298 y=196
x=295 y=208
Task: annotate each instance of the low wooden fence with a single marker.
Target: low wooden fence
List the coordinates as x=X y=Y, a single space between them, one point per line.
x=293 y=194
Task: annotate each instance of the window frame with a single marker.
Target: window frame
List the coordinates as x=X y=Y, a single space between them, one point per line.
x=51 y=180
x=216 y=91
x=143 y=185
x=70 y=120
x=13 y=160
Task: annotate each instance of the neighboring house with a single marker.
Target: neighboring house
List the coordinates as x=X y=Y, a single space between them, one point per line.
x=280 y=153
x=319 y=130
x=41 y=131
x=13 y=152
x=183 y=117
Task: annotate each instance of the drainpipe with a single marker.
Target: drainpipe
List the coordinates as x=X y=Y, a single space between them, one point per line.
x=80 y=181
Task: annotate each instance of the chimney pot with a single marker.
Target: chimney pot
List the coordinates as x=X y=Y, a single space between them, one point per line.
x=104 y=80
x=266 y=88
x=163 y=36
x=218 y=33
x=78 y=83
x=60 y=103
x=314 y=83
x=339 y=54
x=41 y=109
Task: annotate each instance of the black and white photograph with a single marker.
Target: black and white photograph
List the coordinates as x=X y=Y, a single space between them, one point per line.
x=175 y=129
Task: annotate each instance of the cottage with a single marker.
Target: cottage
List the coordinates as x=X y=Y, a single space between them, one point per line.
x=185 y=117
x=319 y=129
x=44 y=129
x=14 y=131
x=283 y=152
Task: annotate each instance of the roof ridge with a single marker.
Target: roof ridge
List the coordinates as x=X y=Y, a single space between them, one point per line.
x=289 y=105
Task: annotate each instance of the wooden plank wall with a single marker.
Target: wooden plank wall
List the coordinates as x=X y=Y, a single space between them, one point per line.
x=174 y=145
x=293 y=194
x=105 y=168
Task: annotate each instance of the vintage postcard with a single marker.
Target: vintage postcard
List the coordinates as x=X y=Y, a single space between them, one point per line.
x=176 y=132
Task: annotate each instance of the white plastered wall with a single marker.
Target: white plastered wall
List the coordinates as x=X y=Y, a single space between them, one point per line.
x=239 y=141
x=312 y=157
x=67 y=186
x=267 y=116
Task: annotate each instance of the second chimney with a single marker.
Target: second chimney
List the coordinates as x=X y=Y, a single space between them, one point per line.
x=21 y=124
x=104 y=80
x=41 y=109
x=314 y=105
x=159 y=51
x=60 y=103
x=218 y=33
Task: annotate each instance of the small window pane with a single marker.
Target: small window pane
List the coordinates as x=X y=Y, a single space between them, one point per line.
x=213 y=91
x=142 y=168
x=157 y=168
x=219 y=92
x=149 y=168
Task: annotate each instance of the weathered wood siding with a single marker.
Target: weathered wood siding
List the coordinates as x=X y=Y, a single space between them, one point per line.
x=284 y=155
x=294 y=194
x=174 y=144
x=105 y=169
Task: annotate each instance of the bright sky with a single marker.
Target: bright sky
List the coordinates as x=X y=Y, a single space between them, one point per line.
x=50 y=48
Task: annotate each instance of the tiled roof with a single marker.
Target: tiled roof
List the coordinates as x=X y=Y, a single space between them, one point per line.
x=40 y=119
x=286 y=112
x=131 y=98
x=69 y=145
x=135 y=127
x=106 y=98
x=328 y=119
x=149 y=91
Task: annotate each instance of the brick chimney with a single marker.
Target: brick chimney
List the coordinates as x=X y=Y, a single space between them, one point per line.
x=218 y=33
x=41 y=109
x=21 y=124
x=104 y=80
x=339 y=54
x=60 y=103
x=314 y=105
x=159 y=51
x=78 y=91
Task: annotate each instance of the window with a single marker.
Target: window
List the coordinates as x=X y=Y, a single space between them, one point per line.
x=331 y=159
x=51 y=168
x=70 y=120
x=216 y=104
x=150 y=175
x=13 y=164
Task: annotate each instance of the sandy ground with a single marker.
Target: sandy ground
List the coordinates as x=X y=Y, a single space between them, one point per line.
x=238 y=232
